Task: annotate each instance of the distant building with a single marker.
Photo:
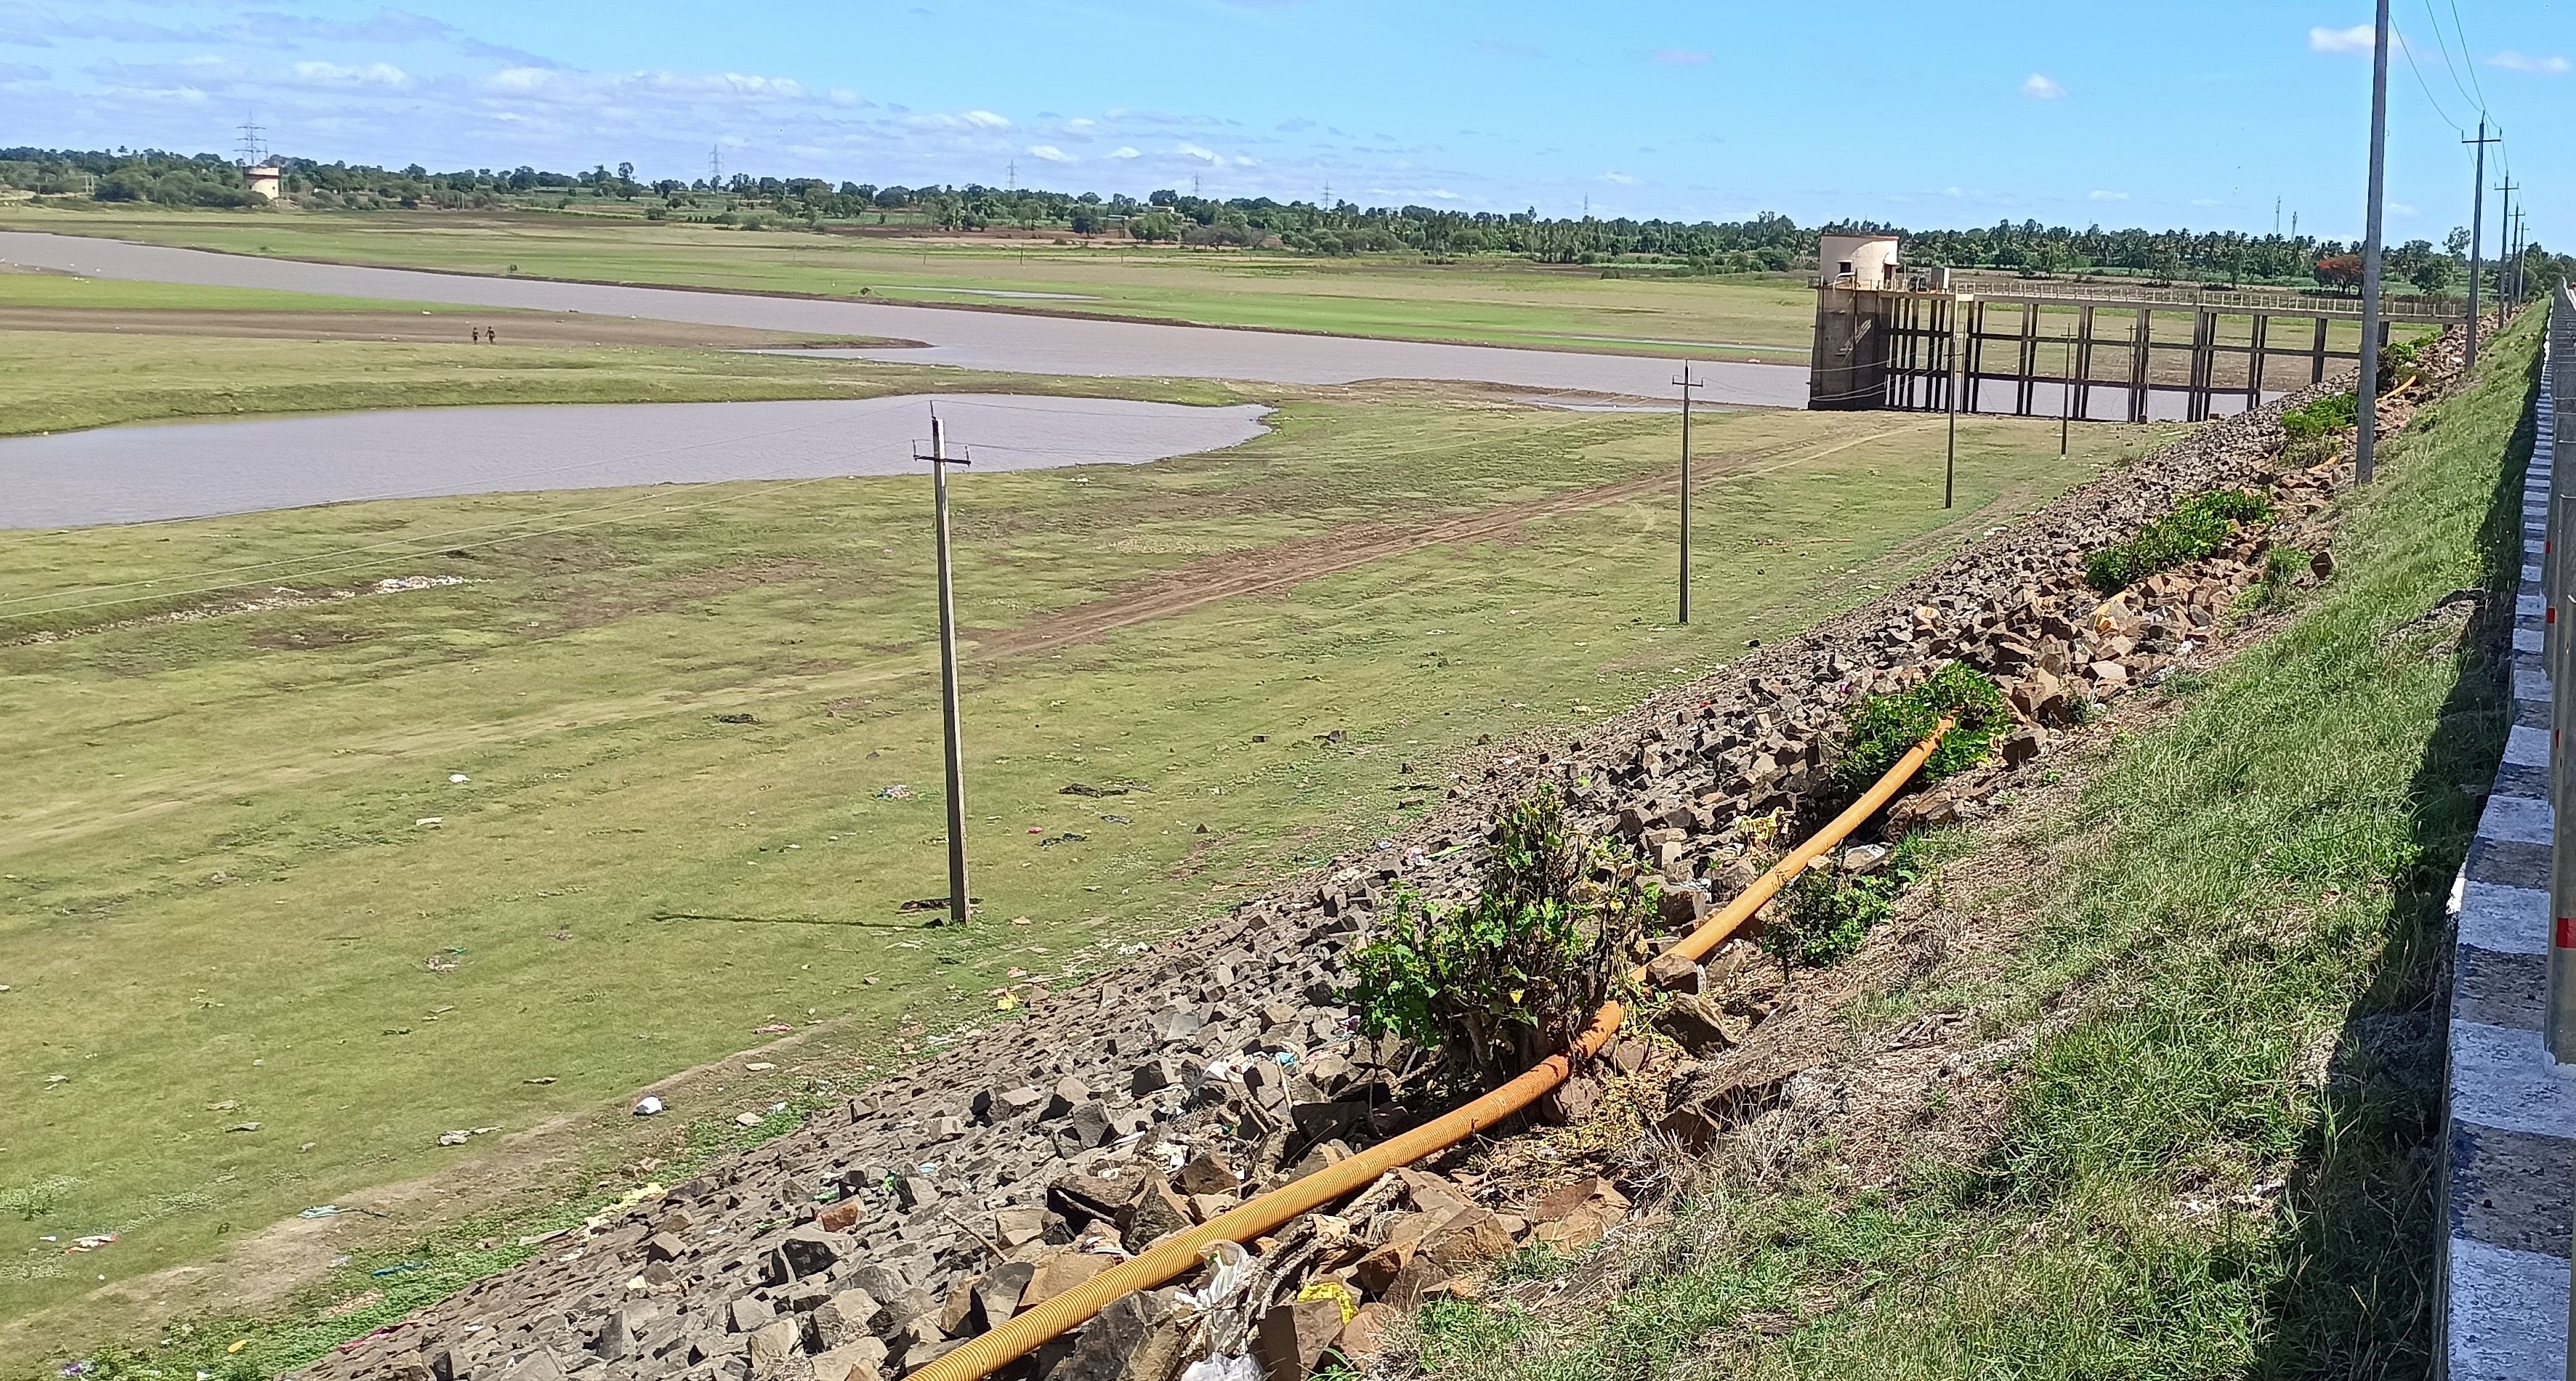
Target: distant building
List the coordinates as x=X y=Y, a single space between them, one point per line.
x=1858 y=261
x=266 y=181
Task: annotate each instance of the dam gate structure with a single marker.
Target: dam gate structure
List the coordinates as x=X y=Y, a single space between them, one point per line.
x=2115 y=356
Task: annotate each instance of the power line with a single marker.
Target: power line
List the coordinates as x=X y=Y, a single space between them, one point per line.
x=2463 y=32
x=2444 y=45
x=2427 y=87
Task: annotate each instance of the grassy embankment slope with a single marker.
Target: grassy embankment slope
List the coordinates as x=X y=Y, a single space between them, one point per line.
x=2220 y=1156
x=1493 y=302
x=223 y=907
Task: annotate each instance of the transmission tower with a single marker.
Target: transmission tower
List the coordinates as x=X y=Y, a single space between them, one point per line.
x=715 y=167
x=1011 y=176
x=253 y=149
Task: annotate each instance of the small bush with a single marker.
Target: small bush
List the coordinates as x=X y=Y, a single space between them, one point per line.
x=2199 y=526
x=1826 y=913
x=1501 y=982
x=2326 y=415
x=1885 y=728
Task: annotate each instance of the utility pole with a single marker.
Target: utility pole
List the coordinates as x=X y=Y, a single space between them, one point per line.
x=2276 y=218
x=2066 y=404
x=715 y=167
x=939 y=462
x=2504 y=250
x=1958 y=365
x=2520 y=270
x=2477 y=234
x=1687 y=384
x=2365 y=450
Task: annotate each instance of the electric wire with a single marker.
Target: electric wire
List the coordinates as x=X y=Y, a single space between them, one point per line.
x=2426 y=87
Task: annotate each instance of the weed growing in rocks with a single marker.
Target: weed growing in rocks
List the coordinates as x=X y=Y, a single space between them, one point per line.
x=1503 y=981
x=1885 y=727
x=1828 y=913
x=2282 y=567
x=2198 y=527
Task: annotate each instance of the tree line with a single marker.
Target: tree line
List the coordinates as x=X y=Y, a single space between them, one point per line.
x=1763 y=243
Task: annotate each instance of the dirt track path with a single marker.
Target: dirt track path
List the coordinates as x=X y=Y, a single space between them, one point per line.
x=1270 y=570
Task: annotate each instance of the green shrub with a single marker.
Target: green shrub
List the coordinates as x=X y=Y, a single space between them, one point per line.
x=1825 y=914
x=2199 y=526
x=1503 y=981
x=1884 y=728
x=2326 y=415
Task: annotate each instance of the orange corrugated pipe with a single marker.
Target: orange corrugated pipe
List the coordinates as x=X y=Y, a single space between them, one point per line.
x=1179 y=1253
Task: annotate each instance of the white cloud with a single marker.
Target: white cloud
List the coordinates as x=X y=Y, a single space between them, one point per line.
x=1203 y=155
x=2356 y=39
x=2511 y=61
x=985 y=119
x=383 y=74
x=844 y=96
x=1622 y=179
x=1050 y=153
x=1081 y=123
x=2040 y=88
x=1126 y=151
x=519 y=78
x=2401 y=208
x=2104 y=194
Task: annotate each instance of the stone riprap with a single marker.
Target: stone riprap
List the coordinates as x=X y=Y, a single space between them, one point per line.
x=1033 y=1155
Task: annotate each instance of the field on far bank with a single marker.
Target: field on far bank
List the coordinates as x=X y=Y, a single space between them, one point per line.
x=1481 y=301
x=83 y=373
x=652 y=782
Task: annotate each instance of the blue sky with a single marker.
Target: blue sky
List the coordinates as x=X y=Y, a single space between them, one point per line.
x=2185 y=112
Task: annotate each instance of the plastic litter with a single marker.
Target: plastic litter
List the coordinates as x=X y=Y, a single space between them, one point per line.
x=90 y=1243
x=648 y=1107
x=457 y=779
x=1229 y=1270
x=323 y=1211
x=1333 y=1290
x=1223 y=1369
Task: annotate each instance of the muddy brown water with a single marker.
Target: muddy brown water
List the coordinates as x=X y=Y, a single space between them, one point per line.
x=203 y=469
x=1012 y=342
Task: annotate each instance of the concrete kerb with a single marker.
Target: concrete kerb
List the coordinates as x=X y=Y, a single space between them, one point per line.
x=2509 y=1121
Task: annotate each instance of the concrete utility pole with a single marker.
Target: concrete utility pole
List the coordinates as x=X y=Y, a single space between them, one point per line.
x=1687 y=384
x=2504 y=252
x=2477 y=233
x=2521 y=271
x=1958 y=377
x=2066 y=402
x=939 y=463
x=2365 y=450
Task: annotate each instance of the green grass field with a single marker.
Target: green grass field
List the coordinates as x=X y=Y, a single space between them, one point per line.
x=2220 y=1157
x=240 y=885
x=1486 y=302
